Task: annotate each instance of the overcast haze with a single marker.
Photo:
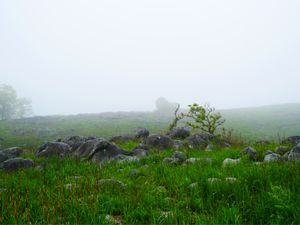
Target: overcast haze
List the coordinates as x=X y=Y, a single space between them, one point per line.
x=74 y=56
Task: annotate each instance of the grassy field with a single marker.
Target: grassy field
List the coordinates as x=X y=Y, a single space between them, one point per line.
x=150 y=191
x=269 y=122
x=153 y=192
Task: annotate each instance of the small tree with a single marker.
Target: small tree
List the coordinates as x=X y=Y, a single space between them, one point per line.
x=11 y=106
x=176 y=118
x=204 y=118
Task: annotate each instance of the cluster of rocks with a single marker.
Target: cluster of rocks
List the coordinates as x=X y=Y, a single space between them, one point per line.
x=100 y=150
x=281 y=153
x=10 y=159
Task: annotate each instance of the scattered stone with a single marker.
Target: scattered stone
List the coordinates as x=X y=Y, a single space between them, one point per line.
x=294 y=154
x=272 y=157
x=230 y=162
x=177 y=158
x=166 y=214
x=268 y=152
x=112 y=182
x=180 y=132
x=213 y=180
x=70 y=186
x=16 y=163
x=231 y=180
x=76 y=177
x=199 y=140
x=53 y=149
x=251 y=152
x=282 y=150
x=141 y=133
x=12 y=152
x=294 y=140
x=3 y=157
x=116 y=220
x=178 y=144
x=179 y=155
x=159 y=141
x=74 y=141
x=171 y=160
x=192 y=160
x=100 y=151
x=125 y=158
x=205 y=160
x=194 y=185
x=140 y=152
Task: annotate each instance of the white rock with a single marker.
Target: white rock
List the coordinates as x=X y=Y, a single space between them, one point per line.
x=229 y=161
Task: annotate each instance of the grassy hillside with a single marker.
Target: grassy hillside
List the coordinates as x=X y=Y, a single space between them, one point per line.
x=269 y=122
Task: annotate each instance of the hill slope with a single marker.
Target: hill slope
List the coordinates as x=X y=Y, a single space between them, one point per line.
x=268 y=122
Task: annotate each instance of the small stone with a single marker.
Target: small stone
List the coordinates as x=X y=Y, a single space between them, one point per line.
x=230 y=180
x=166 y=214
x=213 y=180
x=192 y=160
x=70 y=186
x=179 y=155
x=193 y=185
x=230 y=162
x=251 y=152
x=272 y=157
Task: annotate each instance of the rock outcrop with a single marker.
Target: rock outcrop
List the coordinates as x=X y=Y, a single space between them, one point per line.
x=50 y=149
x=16 y=163
x=180 y=133
x=161 y=142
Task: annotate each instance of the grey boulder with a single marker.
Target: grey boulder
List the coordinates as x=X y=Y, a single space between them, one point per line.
x=74 y=141
x=141 y=133
x=50 y=149
x=250 y=152
x=159 y=141
x=16 y=163
x=272 y=157
x=294 y=154
x=99 y=150
x=199 y=140
x=292 y=140
x=180 y=133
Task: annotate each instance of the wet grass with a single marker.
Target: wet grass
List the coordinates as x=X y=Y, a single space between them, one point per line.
x=157 y=193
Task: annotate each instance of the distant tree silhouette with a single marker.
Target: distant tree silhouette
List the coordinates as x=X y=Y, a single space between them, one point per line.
x=12 y=107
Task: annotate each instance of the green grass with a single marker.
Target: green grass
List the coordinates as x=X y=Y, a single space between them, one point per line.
x=269 y=122
x=158 y=194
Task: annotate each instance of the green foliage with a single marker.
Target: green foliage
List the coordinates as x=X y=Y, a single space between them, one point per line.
x=204 y=118
x=159 y=194
x=11 y=106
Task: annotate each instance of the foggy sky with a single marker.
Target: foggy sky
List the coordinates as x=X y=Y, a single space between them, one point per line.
x=76 y=56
